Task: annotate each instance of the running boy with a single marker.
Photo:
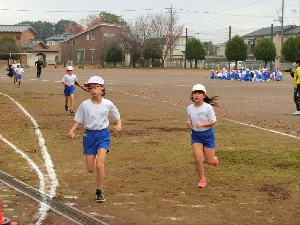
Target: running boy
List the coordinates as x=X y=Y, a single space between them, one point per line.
x=96 y=139
x=69 y=80
x=201 y=118
x=19 y=71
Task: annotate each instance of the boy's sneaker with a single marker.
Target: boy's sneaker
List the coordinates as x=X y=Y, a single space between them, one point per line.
x=202 y=183
x=71 y=111
x=216 y=161
x=296 y=113
x=66 y=108
x=100 y=196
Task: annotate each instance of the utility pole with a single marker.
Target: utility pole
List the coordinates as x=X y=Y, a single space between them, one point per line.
x=171 y=34
x=272 y=34
x=229 y=40
x=281 y=40
x=185 y=48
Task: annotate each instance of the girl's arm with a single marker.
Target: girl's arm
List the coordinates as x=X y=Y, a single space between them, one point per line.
x=71 y=133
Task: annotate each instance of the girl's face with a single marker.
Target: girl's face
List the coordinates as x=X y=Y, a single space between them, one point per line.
x=198 y=96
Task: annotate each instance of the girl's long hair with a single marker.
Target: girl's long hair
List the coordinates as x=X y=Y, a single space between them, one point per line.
x=208 y=100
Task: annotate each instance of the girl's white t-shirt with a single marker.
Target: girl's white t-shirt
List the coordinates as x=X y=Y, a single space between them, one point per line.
x=69 y=79
x=95 y=116
x=201 y=114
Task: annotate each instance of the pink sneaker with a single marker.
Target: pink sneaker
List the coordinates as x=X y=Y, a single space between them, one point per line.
x=216 y=161
x=202 y=183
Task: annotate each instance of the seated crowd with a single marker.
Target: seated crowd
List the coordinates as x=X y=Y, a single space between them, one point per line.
x=244 y=74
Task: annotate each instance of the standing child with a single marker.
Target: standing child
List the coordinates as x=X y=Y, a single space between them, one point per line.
x=201 y=118
x=96 y=139
x=69 y=80
x=19 y=71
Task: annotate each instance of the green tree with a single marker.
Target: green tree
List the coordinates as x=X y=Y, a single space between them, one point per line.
x=111 y=18
x=114 y=52
x=265 y=50
x=291 y=48
x=194 y=51
x=152 y=50
x=236 y=49
x=60 y=26
x=8 y=45
x=44 y=29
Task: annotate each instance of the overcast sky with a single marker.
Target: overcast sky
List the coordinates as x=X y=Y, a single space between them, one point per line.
x=207 y=20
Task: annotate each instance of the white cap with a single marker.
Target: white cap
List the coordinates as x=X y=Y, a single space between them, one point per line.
x=18 y=64
x=199 y=87
x=70 y=68
x=94 y=80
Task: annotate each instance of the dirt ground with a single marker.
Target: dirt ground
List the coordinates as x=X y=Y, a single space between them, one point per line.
x=150 y=175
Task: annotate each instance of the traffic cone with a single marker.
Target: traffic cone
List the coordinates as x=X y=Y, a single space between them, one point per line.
x=3 y=220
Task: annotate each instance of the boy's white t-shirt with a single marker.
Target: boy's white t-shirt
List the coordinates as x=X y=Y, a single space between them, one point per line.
x=201 y=114
x=95 y=116
x=69 y=79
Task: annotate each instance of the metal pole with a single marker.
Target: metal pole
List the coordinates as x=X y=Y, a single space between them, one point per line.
x=185 y=48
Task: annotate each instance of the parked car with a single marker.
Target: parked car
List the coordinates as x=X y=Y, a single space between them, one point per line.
x=25 y=66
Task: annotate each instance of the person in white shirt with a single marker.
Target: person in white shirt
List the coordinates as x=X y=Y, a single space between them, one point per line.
x=93 y=113
x=19 y=71
x=201 y=118
x=14 y=66
x=69 y=80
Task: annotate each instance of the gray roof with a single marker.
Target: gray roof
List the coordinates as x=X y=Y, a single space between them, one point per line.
x=20 y=28
x=59 y=37
x=267 y=31
x=32 y=43
x=296 y=30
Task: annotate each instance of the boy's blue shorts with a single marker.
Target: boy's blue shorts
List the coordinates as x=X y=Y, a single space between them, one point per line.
x=69 y=90
x=18 y=77
x=93 y=140
x=207 y=138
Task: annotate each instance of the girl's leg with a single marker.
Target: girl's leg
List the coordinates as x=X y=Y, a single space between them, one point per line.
x=198 y=155
x=209 y=154
x=101 y=154
x=71 y=101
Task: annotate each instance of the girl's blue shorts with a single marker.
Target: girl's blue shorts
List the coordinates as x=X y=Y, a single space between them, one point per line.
x=19 y=77
x=69 y=90
x=93 y=140
x=207 y=138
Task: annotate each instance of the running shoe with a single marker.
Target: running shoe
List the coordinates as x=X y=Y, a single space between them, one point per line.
x=100 y=196
x=296 y=113
x=202 y=183
x=71 y=111
x=66 y=108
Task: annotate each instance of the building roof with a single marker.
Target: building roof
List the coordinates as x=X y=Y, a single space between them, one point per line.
x=296 y=30
x=101 y=24
x=59 y=37
x=267 y=31
x=32 y=43
x=19 y=28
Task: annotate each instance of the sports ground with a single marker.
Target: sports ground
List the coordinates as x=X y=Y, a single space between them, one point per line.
x=150 y=173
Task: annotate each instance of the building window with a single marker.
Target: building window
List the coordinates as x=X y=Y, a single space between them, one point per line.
x=68 y=43
x=87 y=37
x=93 y=56
x=92 y=36
x=105 y=34
x=80 y=56
x=49 y=42
x=18 y=37
x=112 y=35
x=74 y=42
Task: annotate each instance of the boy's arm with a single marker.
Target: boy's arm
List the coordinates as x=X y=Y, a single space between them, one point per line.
x=118 y=125
x=75 y=126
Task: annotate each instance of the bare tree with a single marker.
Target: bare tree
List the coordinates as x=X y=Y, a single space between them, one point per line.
x=165 y=28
